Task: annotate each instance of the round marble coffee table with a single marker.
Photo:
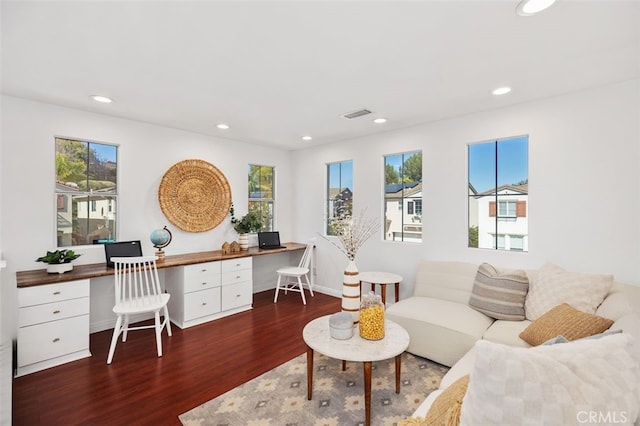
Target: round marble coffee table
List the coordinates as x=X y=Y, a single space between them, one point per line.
x=318 y=338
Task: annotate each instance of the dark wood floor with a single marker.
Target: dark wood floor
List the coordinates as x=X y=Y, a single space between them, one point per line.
x=199 y=363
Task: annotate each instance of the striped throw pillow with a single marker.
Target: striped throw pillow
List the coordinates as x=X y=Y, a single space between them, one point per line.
x=499 y=295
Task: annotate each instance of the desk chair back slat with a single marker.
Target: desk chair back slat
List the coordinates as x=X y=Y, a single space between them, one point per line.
x=137 y=291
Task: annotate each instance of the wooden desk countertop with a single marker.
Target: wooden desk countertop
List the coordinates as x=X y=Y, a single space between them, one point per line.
x=40 y=276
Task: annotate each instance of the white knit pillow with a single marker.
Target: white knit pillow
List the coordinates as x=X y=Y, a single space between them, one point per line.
x=553 y=385
x=553 y=286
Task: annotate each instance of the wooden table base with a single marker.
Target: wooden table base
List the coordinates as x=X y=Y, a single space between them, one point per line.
x=367 y=381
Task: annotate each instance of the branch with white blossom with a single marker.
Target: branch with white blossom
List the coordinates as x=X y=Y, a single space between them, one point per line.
x=352 y=233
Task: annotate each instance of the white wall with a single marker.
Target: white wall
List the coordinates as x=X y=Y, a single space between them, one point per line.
x=146 y=152
x=584 y=187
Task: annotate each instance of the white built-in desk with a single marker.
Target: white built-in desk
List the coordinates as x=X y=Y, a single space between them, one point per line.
x=53 y=315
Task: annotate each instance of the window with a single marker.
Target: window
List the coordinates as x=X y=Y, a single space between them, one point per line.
x=339 y=192
x=499 y=194
x=261 y=194
x=403 y=196
x=86 y=192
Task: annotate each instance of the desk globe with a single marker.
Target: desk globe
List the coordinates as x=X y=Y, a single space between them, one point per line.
x=160 y=239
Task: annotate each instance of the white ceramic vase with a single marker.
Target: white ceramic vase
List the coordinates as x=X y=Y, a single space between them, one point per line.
x=351 y=291
x=244 y=241
x=59 y=268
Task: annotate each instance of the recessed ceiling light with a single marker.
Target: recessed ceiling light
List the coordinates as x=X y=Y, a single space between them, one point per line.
x=379 y=120
x=100 y=98
x=222 y=126
x=306 y=138
x=531 y=7
x=501 y=91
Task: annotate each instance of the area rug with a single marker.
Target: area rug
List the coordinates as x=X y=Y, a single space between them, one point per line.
x=279 y=397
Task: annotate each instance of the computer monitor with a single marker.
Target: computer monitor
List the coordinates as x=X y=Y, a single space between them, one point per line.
x=122 y=249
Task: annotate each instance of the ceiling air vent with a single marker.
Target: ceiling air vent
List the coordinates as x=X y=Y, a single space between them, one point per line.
x=356 y=114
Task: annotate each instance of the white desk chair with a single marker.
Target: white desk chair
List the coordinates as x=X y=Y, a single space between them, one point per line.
x=292 y=275
x=138 y=291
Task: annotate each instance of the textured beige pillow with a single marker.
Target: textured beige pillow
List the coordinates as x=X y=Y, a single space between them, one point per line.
x=499 y=295
x=553 y=285
x=553 y=385
x=446 y=408
x=564 y=320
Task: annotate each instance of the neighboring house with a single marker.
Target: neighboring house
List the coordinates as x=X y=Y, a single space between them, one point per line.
x=340 y=203
x=82 y=220
x=502 y=218
x=403 y=212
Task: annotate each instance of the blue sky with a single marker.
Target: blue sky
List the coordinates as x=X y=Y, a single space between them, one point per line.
x=341 y=175
x=513 y=164
x=104 y=152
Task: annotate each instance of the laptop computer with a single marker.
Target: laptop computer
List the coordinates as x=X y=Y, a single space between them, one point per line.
x=269 y=240
x=122 y=249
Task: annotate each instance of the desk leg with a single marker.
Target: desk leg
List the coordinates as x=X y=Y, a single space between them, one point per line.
x=367 y=393
x=373 y=287
x=383 y=291
x=309 y=372
x=398 y=368
x=397 y=292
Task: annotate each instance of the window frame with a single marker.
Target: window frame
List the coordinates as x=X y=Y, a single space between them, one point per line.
x=270 y=223
x=65 y=195
x=343 y=187
x=507 y=203
x=407 y=230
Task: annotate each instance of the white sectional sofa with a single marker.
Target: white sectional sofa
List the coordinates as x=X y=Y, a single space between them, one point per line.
x=444 y=328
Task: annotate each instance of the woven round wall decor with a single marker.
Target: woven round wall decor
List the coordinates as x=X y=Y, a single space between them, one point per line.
x=194 y=195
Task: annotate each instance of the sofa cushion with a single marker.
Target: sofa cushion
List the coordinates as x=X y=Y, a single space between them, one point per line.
x=507 y=333
x=499 y=295
x=615 y=305
x=553 y=285
x=566 y=321
x=553 y=384
x=445 y=280
x=440 y=330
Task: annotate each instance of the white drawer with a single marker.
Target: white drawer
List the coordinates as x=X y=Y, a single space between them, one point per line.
x=201 y=303
x=46 y=312
x=236 y=276
x=49 y=340
x=28 y=296
x=236 y=295
x=231 y=265
x=201 y=276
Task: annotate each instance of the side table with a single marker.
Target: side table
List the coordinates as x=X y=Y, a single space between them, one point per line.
x=383 y=279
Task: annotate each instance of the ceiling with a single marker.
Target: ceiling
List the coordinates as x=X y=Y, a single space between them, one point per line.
x=275 y=71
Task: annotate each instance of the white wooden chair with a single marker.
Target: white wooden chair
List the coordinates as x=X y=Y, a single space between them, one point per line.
x=137 y=292
x=289 y=278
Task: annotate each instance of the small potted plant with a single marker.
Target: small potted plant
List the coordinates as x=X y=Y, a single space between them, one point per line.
x=251 y=222
x=59 y=261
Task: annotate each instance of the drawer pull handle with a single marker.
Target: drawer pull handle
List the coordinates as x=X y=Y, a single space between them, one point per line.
x=237 y=276
x=55 y=293
x=204 y=270
x=238 y=295
x=57 y=339
x=204 y=303
x=237 y=264
x=204 y=283
x=56 y=311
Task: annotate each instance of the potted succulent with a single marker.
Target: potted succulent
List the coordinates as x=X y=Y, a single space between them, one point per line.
x=251 y=222
x=59 y=261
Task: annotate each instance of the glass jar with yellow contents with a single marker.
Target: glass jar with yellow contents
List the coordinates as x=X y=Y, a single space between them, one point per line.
x=371 y=317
